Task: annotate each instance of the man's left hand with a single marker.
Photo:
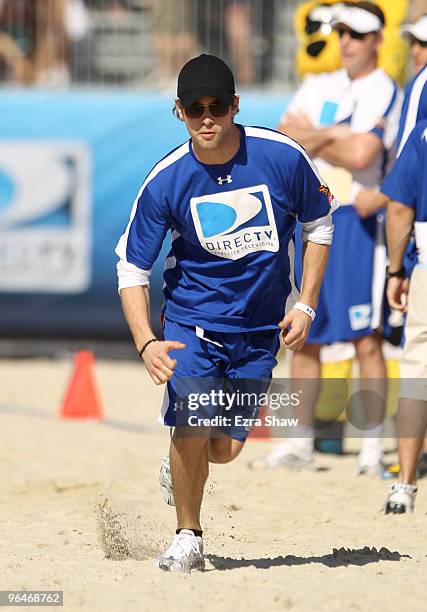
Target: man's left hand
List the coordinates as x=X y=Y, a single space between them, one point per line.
x=397 y=293
x=295 y=326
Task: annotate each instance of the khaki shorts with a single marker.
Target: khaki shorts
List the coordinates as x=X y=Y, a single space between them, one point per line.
x=413 y=365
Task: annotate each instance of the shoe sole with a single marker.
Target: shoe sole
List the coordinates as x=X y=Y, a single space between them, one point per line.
x=166 y=565
x=392 y=508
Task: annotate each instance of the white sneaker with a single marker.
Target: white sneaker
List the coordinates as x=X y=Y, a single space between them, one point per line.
x=285 y=455
x=401 y=498
x=183 y=555
x=165 y=480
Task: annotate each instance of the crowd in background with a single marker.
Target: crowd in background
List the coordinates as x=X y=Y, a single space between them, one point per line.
x=56 y=42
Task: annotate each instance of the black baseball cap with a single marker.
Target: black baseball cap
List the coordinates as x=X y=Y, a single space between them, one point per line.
x=205 y=75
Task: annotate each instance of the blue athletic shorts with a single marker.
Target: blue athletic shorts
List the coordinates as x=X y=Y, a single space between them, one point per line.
x=242 y=361
x=346 y=310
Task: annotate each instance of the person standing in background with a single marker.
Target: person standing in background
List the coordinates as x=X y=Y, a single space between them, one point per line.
x=414 y=108
x=348 y=121
x=406 y=187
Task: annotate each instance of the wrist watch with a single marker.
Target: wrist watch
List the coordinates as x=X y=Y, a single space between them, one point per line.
x=397 y=274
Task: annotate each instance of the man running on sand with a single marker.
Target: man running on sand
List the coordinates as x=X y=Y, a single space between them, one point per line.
x=230 y=196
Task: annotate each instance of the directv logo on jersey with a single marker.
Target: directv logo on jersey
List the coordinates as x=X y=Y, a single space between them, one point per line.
x=233 y=224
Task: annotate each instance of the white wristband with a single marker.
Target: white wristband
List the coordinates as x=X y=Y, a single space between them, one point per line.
x=307 y=309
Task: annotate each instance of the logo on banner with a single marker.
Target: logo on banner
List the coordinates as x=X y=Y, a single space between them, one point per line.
x=233 y=224
x=44 y=217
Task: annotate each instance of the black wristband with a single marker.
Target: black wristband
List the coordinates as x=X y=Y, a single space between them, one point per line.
x=398 y=274
x=140 y=352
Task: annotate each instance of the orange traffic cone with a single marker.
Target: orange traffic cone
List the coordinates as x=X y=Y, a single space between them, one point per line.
x=82 y=398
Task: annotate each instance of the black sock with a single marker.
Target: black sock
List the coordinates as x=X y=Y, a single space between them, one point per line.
x=197 y=532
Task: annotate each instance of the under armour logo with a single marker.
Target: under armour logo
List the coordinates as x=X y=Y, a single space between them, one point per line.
x=227 y=179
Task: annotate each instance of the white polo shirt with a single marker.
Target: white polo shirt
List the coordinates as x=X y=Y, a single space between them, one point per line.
x=369 y=104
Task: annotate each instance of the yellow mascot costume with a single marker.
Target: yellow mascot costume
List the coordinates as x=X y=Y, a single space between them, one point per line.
x=319 y=45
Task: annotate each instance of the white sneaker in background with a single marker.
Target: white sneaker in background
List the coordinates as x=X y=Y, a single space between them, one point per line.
x=401 y=498
x=294 y=453
x=184 y=554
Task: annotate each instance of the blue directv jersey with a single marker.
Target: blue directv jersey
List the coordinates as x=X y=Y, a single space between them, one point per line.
x=229 y=268
x=407 y=182
x=414 y=107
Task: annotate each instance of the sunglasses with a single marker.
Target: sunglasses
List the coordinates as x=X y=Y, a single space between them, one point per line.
x=416 y=41
x=216 y=109
x=352 y=33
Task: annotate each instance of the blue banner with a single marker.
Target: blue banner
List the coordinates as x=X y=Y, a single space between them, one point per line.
x=70 y=168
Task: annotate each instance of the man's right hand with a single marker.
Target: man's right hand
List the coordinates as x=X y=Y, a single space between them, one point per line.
x=159 y=365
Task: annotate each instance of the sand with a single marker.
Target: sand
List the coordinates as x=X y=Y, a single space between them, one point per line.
x=81 y=512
